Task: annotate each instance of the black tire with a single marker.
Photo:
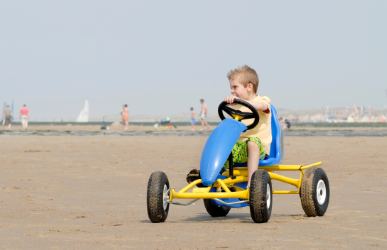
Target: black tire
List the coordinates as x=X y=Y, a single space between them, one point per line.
x=261 y=196
x=315 y=192
x=214 y=209
x=158 y=197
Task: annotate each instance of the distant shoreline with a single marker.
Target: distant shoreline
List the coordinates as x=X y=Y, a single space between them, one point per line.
x=184 y=129
x=147 y=123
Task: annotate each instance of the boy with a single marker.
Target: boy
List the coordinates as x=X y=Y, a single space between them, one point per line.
x=193 y=118
x=254 y=144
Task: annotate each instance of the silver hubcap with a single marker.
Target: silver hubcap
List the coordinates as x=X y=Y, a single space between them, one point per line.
x=165 y=197
x=321 y=192
x=268 y=196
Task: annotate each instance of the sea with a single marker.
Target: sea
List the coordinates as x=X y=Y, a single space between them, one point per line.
x=183 y=129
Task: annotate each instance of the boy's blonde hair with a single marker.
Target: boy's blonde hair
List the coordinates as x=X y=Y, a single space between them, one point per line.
x=247 y=75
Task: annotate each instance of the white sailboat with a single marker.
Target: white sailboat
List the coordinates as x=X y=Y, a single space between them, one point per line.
x=84 y=114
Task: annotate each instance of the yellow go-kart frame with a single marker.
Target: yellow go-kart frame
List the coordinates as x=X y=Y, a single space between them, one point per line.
x=312 y=186
x=192 y=191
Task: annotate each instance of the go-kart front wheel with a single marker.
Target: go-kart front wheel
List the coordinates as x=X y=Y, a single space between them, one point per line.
x=214 y=209
x=314 y=192
x=158 y=197
x=261 y=196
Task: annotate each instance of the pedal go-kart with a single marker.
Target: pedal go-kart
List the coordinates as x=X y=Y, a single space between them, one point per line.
x=222 y=189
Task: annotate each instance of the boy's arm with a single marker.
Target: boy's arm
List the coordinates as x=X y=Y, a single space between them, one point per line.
x=262 y=106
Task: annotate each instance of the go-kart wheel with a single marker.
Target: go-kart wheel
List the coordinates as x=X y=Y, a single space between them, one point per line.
x=158 y=197
x=314 y=192
x=214 y=209
x=261 y=196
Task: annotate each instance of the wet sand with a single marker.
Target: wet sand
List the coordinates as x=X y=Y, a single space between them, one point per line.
x=89 y=192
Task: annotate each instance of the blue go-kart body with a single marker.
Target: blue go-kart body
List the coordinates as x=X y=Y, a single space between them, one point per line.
x=227 y=134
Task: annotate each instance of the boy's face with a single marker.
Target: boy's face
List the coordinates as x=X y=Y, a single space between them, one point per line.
x=239 y=90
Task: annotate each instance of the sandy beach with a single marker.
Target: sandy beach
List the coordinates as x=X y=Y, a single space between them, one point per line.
x=89 y=192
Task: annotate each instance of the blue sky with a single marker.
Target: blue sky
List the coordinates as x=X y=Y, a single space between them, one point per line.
x=161 y=57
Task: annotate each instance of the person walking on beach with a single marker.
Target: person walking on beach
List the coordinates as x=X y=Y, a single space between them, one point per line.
x=24 y=116
x=203 y=114
x=7 y=116
x=125 y=116
x=193 y=118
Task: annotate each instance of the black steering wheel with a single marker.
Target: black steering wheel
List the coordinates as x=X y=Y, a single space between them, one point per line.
x=237 y=114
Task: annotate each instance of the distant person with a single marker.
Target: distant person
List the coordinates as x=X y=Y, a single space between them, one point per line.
x=282 y=123
x=24 y=116
x=7 y=116
x=193 y=118
x=288 y=124
x=285 y=123
x=165 y=122
x=203 y=114
x=125 y=116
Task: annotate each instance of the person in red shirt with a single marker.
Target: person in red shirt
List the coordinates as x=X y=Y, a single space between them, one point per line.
x=24 y=116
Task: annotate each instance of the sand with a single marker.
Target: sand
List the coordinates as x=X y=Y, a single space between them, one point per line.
x=89 y=192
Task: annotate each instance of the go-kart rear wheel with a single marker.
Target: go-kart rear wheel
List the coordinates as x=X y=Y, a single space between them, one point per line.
x=314 y=192
x=261 y=196
x=158 y=197
x=214 y=209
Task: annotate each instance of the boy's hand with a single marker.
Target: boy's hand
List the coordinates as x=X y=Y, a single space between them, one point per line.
x=230 y=99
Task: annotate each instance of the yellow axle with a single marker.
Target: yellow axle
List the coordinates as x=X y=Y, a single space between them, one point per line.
x=191 y=191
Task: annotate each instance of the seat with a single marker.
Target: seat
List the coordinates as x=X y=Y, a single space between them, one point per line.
x=275 y=147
